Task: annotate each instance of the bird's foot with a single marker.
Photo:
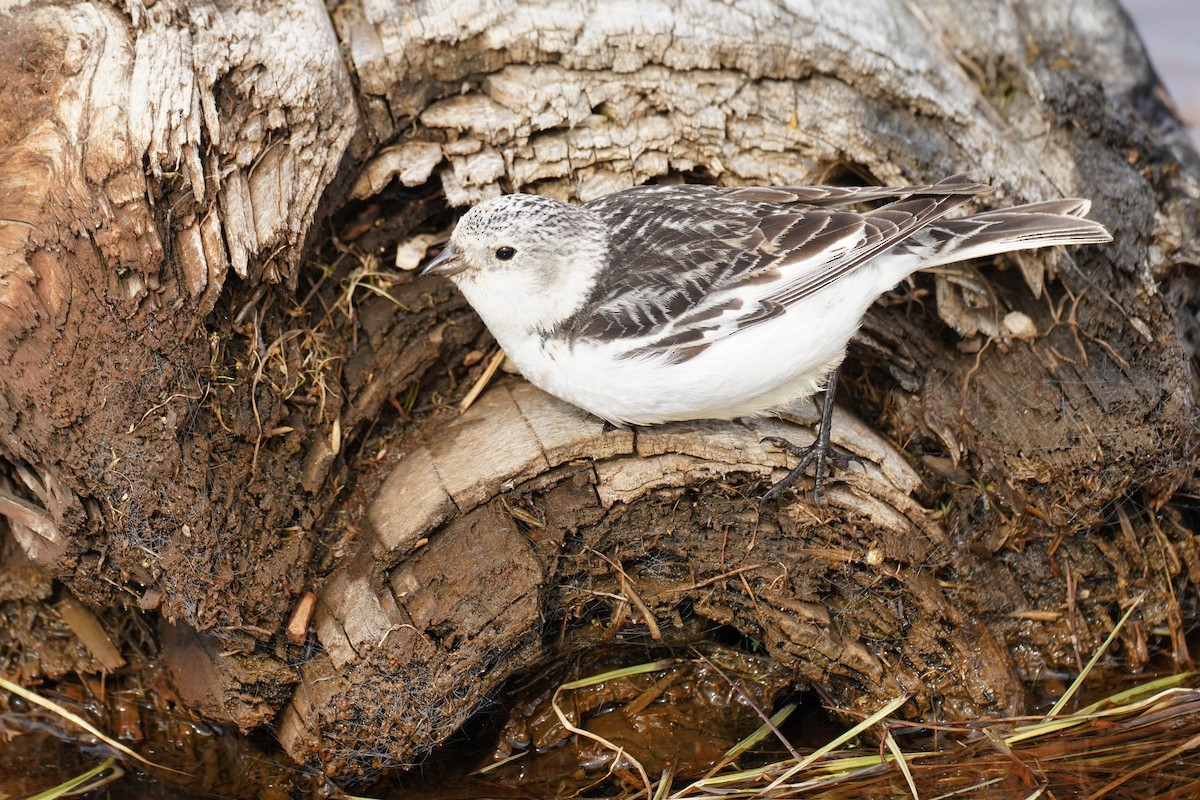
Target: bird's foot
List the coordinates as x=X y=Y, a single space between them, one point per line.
x=821 y=453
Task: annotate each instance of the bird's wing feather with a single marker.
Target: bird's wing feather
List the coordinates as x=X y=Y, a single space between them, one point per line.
x=691 y=264
x=832 y=196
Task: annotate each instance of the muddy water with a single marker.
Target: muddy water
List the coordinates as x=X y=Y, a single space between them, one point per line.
x=681 y=714
x=678 y=716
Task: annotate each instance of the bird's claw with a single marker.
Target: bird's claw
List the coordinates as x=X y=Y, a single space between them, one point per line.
x=819 y=452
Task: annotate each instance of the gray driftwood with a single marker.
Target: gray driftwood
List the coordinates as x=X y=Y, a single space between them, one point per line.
x=180 y=418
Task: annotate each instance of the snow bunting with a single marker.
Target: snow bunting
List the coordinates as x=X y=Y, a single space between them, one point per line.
x=665 y=303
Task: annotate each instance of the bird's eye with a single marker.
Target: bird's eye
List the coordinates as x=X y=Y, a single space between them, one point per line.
x=505 y=253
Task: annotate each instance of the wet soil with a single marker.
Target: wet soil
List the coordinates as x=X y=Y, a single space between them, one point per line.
x=678 y=716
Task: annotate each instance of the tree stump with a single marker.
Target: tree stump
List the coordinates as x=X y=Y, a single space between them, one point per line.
x=216 y=399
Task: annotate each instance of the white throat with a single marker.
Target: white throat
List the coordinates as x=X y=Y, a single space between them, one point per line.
x=521 y=305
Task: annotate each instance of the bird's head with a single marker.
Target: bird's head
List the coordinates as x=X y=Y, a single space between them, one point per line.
x=524 y=261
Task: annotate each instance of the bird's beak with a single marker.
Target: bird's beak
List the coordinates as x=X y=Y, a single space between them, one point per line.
x=448 y=262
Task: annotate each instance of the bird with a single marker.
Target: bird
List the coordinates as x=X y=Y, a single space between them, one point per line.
x=664 y=303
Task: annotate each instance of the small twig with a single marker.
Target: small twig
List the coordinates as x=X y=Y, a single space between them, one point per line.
x=483 y=381
x=700 y=585
x=643 y=701
x=632 y=596
x=978 y=363
x=1071 y=588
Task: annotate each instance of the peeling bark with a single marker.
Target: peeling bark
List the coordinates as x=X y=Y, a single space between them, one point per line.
x=196 y=420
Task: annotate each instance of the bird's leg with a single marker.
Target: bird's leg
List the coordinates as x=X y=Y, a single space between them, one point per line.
x=820 y=451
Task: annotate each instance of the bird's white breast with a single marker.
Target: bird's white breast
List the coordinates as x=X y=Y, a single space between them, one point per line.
x=747 y=374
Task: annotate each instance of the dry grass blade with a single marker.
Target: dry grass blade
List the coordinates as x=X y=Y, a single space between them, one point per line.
x=1141 y=690
x=1140 y=742
x=763 y=731
x=1190 y=744
x=849 y=735
x=620 y=752
x=902 y=763
x=664 y=784
x=1078 y=682
x=75 y=719
x=749 y=782
x=1093 y=712
x=495 y=765
x=483 y=381
x=592 y=680
x=623 y=672
x=974 y=788
x=88 y=781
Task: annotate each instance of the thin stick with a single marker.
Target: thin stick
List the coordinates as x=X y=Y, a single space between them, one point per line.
x=483 y=381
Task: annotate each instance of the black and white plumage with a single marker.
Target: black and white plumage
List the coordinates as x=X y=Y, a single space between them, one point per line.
x=664 y=303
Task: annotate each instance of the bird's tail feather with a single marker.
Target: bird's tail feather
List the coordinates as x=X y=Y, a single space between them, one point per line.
x=1054 y=222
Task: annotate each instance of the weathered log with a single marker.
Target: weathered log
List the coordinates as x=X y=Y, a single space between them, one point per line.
x=485 y=537
x=116 y=409
x=181 y=439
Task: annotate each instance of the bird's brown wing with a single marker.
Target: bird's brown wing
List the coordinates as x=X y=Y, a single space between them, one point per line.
x=693 y=264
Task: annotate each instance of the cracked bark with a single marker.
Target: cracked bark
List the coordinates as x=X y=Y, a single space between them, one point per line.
x=159 y=452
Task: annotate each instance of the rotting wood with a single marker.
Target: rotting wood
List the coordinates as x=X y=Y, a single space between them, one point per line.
x=90 y=632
